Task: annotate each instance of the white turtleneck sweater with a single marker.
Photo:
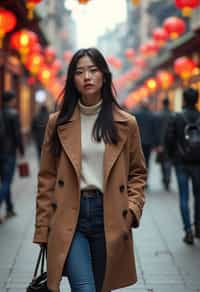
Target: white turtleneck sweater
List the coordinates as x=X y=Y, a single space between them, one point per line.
x=92 y=151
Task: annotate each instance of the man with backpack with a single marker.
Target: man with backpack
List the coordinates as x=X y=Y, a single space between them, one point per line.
x=10 y=144
x=183 y=145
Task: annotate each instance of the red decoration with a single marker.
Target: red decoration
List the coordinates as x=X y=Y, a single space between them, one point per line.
x=129 y=53
x=49 y=54
x=151 y=84
x=165 y=79
x=34 y=63
x=7 y=23
x=160 y=35
x=67 y=55
x=30 y=5
x=114 y=61
x=23 y=41
x=140 y=62
x=187 y=6
x=56 y=66
x=184 y=66
x=174 y=26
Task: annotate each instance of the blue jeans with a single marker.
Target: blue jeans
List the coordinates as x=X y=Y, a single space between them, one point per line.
x=184 y=174
x=7 y=170
x=86 y=261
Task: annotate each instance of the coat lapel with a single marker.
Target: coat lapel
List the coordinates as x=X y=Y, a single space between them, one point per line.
x=70 y=138
x=112 y=151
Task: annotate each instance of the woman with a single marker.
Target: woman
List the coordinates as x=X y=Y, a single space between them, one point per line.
x=91 y=183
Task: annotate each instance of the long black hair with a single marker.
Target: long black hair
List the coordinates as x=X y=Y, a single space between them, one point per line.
x=104 y=127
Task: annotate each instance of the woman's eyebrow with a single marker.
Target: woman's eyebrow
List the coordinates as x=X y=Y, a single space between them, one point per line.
x=82 y=67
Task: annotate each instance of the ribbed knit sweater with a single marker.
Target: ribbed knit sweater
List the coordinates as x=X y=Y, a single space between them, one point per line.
x=92 y=151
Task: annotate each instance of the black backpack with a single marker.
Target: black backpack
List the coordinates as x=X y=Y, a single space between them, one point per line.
x=190 y=149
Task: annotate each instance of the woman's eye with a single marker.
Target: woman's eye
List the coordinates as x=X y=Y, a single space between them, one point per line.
x=79 y=72
x=94 y=70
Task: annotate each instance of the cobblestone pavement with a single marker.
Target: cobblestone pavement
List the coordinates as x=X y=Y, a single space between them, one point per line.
x=164 y=262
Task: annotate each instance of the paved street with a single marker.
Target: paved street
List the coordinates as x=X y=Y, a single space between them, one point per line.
x=164 y=262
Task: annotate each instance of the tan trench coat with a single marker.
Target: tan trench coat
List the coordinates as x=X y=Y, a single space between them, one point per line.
x=58 y=198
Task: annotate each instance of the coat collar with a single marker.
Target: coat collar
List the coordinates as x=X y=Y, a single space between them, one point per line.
x=70 y=137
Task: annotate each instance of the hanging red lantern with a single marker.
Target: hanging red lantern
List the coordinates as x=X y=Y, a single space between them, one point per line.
x=140 y=62
x=30 y=5
x=187 y=6
x=45 y=75
x=49 y=54
x=144 y=49
x=129 y=53
x=136 y=2
x=160 y=35
x=165 y=79
x=34 y=63
x=151 y=84
x=174 y=26
x=83 y=1
x=184 y=67
x=152 y=47
x=114 y=61
x=7 y=23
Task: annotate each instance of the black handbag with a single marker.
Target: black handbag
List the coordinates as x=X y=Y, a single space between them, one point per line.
x=39 y=282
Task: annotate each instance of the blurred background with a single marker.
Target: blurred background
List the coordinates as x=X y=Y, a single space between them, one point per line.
x=152 y=48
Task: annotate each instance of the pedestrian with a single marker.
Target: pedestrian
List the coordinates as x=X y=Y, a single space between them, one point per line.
x=11 y=145
x=38 y=127
x=162 y=156
x=183 y=144
x=91 y=183
x=147 y=125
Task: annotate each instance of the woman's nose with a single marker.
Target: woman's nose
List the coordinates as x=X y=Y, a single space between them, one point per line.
x=87 y=75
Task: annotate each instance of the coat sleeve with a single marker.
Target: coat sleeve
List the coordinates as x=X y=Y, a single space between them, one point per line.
x=137 y=174
x=46 y=186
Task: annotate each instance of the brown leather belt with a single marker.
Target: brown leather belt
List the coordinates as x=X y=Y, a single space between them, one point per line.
x=91 y=193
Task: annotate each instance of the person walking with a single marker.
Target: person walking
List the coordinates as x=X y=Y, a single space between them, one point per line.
x=161 y=156
x=38 y=127
x=183 y=143
x=147 y=125
x=11 y=145
x=91 y=183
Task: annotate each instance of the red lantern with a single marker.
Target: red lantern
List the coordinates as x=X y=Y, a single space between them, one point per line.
x=183 y=67
x=151 y=84
x=34 y=63
x=152 y=47
x=49 y=54
x=83 y=1
x=174 y=26
x=7 y=23
x=187 y=6
x=165 y=79
x=114 y=61
x=30 y=5
x=45 y=75
x=144 y=49
x=160 y=35
x=129 y=53
x=140 y=62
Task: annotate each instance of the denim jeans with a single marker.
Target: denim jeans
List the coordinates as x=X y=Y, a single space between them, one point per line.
x=184 y=174
x=86 y=261
x=7 y=170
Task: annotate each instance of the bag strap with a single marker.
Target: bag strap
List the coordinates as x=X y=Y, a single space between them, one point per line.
x=40 y=261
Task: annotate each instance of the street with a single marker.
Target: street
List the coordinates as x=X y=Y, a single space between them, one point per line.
x=164 y=262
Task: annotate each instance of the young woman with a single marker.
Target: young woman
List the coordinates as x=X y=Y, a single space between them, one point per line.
x=91 y=183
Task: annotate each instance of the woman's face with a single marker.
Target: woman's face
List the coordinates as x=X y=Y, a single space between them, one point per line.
x=88 y=80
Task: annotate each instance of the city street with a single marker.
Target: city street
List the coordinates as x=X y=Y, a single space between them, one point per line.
x=164 y=262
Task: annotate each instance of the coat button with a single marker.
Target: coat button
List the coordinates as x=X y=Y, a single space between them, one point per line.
x=60 y=182
x=54 y=206
x=124 y=212
x=122 y=188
